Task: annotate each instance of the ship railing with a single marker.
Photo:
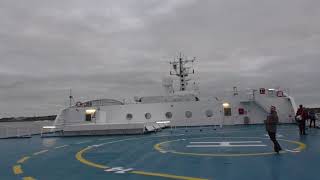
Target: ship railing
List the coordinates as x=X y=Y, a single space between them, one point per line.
x=51 y=130
x=15 y=132
x=24 y=129
x=185 y=125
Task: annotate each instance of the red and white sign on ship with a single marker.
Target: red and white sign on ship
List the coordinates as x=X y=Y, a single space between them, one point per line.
x=280 y=93
x=262 y=91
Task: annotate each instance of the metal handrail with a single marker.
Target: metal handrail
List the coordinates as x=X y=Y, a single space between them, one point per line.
x=16 y=132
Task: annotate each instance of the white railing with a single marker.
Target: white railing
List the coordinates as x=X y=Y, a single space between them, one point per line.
x=21 y=129
x=52 y=130
x=15 y=132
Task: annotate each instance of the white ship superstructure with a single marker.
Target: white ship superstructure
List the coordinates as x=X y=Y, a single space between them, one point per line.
x=177 y=108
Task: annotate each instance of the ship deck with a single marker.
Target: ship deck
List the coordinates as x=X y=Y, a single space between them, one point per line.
x=235 y=152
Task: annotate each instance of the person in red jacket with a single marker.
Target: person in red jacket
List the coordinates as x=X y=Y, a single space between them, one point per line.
x=302 y=116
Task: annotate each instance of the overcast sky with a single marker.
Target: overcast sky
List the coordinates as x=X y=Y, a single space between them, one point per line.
x=118 y=49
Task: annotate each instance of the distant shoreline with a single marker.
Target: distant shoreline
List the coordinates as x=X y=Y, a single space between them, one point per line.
x=28 y=119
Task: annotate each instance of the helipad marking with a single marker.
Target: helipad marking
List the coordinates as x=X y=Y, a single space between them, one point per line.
x=102 y=139
x=28 y=178
x=58 y=147
x=17 y=169
x=219 y=142
x=82 y=142
x=79 y=156
x=169 y=135
x=40 y=152
x=22 y=160
x=166 y=175
x=84 y=161
x=278 y=135
x=300 y=147
x=293 y=151
x=89 y=163
x=226 y=145
x=119 y=170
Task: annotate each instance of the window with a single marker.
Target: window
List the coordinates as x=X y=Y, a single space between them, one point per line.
x=188 y=114
x=90 y=113
x=147 y=115
x=209 y=113
x=227 y=111
x=88 y=117
x=168 y=115
x=129 y=116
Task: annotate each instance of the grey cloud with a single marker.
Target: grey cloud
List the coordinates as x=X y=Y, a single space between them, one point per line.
x=119 y=49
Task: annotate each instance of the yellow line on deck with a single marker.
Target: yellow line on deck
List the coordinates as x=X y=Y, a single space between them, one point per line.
x=28 y=178
x=84 y=161
x=17 y=169
x=40 y=152
x=165 y=175
x=79 y=157
x=24 y=159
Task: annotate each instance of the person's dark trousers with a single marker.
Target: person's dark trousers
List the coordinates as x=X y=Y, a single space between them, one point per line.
x=302 y=127
x=276 y=145
x=314 y=123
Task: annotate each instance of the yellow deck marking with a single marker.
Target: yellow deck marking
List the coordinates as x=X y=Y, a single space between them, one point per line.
x=300 y=147
x=17 y=169
x=24 y=159
x=40 y=152
x=28 y=178
x=79 y=157
x=165 y=175
x=84 y=161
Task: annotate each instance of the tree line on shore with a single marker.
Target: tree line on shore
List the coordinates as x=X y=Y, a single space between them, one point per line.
x=35 y=118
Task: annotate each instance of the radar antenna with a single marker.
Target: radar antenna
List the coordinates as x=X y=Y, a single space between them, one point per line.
x=181 y=70
x=71 y=100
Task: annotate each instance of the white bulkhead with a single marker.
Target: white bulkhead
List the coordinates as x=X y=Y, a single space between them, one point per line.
x=176 y=108
x=243 y=108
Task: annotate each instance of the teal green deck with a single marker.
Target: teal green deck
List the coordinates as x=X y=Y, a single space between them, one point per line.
x=165 y=156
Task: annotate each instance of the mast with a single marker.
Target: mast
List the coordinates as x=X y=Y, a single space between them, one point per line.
x=182 y=71
x=70 y=98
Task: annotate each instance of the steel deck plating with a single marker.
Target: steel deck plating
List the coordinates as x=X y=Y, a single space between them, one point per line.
x=235 y=152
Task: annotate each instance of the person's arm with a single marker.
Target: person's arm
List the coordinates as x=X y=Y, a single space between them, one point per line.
x=276 y=119
x=267 y=121
x=298 y=113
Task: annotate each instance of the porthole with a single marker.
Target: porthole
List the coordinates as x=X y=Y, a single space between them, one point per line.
x=168 y=115
x=147 y=115
x=188 y=114
x=209 y=113
x=129 y=116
